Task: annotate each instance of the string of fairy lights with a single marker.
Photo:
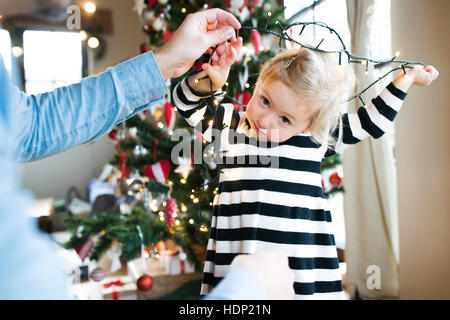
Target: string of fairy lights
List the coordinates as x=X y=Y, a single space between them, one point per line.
x=351 y=58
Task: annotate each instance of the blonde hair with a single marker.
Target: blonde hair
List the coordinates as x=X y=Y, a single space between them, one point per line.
x=318 y=80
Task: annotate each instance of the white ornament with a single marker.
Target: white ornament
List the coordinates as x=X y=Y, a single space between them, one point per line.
x=139 y=6
x=114 y=254
x=184 y=167
x=236 y=4
x=158 y=24
x=244 y=14
x=267 y=6
x=147 y=17
x=163 y=2
x=212 y=165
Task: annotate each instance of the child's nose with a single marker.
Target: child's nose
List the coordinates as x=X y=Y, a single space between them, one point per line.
x=265 y=121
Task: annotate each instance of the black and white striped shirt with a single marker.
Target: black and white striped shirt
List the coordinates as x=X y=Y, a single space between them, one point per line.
x=260 y=207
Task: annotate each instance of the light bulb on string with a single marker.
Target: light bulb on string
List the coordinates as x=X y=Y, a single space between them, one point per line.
x=83 y=35
x=90 y=7
x=93 y=43
x=17 y=51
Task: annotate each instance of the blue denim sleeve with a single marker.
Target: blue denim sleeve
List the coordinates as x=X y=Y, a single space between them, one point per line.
x=239 y=284
x=49 y=123
x=28 y=263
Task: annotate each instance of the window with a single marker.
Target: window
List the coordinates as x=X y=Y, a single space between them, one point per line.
x=334 y=14
x=5 y=49
x=51 y=60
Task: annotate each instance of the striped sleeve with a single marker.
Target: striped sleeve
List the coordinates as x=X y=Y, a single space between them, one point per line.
x=200 y=111
x=373 y=120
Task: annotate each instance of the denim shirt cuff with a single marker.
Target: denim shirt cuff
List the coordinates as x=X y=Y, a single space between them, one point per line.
x=138 y=82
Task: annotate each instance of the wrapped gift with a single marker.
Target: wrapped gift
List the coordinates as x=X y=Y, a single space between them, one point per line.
x=178 y=264
x=119 y=288
x=152 y=268
x=164 y=258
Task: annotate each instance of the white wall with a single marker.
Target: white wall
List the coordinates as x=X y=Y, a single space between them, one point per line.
x=53 y=176
x=420 y=31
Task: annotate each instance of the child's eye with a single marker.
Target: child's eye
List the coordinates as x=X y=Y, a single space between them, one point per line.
x=265 y=101
x=285 y=120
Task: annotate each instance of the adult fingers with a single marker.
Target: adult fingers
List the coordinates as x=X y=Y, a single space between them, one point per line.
x=220 y=35
x=222 y=16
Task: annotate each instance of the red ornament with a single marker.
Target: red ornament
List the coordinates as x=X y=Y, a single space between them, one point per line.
x=169 y=211
x=144 y=283
x=150 y=3
x=113 y=134
x=169 y=115
x=84 y=250
x=124 y=169
x=143 y=48
x=158 y=171
x=244 y=98
x=336 y=180
x=256 y=39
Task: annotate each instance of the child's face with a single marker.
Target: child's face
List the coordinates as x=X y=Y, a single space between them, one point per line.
x=276 y=113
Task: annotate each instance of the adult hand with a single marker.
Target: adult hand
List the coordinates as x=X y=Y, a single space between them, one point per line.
x=198 y=32
x=272 y=269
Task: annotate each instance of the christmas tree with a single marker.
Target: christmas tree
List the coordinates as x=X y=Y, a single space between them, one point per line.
x=174 y=200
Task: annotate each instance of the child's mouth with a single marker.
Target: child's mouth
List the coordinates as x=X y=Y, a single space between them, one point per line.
x=260 y=131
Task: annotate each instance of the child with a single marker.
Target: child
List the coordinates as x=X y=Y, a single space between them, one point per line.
x=295 y=105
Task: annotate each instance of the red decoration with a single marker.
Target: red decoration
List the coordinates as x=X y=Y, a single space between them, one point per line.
x=167 y=36
x=122 y=165
x=244 y=98
x=244 y=3
x=84 y=249
x=256 y=39
x=169 y=115
x=169 y=211
x=143 y=48
x=253 y=4
x=145 y=282
x=150 y=3
x=148 y=28
x=113 y=134
x=113 y=284
x=336 y=180
x=158 y=171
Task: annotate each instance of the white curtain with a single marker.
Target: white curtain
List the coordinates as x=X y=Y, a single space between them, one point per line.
x=370 y=200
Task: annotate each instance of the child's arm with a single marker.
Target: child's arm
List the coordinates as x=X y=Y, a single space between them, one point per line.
x=190 y=92
x=377 y=118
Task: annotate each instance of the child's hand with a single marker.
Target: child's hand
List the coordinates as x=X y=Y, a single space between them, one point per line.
x=218 y=71
x=423 y=76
